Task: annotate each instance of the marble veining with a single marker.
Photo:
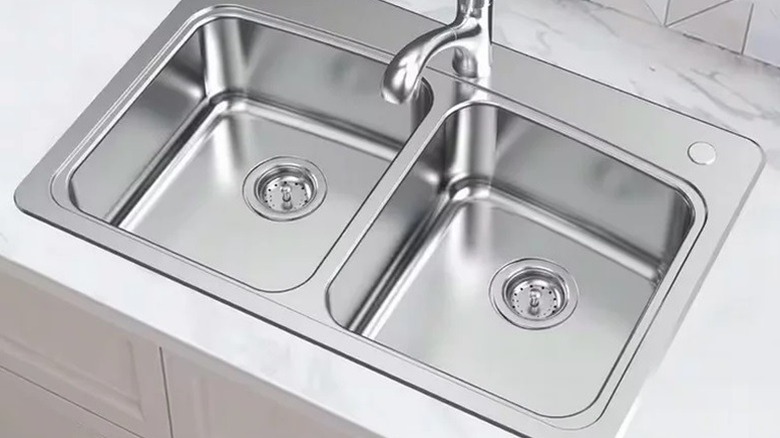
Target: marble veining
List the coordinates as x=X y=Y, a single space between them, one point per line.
x=654 y=63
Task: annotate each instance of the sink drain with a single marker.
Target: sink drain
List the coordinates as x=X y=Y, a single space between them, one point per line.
x=284 y=188
x=534 y=294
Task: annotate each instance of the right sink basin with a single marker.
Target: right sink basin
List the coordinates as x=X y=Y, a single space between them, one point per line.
x=527 y=281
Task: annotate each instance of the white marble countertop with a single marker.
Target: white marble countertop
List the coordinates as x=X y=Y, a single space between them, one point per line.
x=719 y=378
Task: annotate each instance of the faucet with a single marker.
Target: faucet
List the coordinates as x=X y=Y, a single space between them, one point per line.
x=471 y=37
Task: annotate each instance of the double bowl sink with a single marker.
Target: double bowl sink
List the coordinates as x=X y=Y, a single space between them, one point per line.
x=252 y=157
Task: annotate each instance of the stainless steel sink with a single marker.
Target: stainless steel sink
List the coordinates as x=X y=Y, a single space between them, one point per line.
x=555 y=204
x=180 y=167
x=246 y=151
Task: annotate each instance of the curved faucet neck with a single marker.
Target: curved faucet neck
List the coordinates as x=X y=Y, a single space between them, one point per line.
x=471 y=37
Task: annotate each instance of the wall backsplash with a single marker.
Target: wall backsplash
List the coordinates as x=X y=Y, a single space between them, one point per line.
x=749 y=27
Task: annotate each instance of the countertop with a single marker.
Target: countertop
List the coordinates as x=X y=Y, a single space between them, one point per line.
x=718 y=379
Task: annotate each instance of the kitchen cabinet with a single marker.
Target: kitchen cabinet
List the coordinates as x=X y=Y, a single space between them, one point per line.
x=206 y=404
x=88 y=378
x=83 y=359
x=29 y=411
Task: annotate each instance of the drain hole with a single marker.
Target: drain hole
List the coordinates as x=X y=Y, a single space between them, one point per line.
x=285 y=188
x=534 y=293
x=288 y=191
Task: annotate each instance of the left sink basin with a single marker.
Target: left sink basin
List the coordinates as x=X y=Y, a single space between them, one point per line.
x=230 y=161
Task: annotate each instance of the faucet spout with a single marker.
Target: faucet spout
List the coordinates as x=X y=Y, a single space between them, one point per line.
x=402 y=76
x=470 y=35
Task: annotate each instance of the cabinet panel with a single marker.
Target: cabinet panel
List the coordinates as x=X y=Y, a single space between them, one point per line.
x=29 y=411
x=82 y=358
x=205 y=404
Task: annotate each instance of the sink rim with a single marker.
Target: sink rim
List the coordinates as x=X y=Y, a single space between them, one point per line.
x=38 y=196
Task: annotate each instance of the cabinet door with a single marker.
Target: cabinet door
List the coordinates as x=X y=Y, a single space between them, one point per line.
x=205 y=404
x=83 y=359
x=29 y=411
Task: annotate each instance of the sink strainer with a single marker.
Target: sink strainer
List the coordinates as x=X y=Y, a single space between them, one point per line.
x=284 y=188
x=534 y=294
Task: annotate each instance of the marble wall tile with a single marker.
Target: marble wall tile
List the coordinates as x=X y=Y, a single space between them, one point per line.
x=682 y=9
x=763 y=38
x=660 y=8
x=749 y=27
x=724 y=25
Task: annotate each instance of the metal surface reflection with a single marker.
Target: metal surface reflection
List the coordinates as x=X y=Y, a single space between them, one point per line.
x=613 y=237
x=186 y=192
x=470 y=35
x=388 y=224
